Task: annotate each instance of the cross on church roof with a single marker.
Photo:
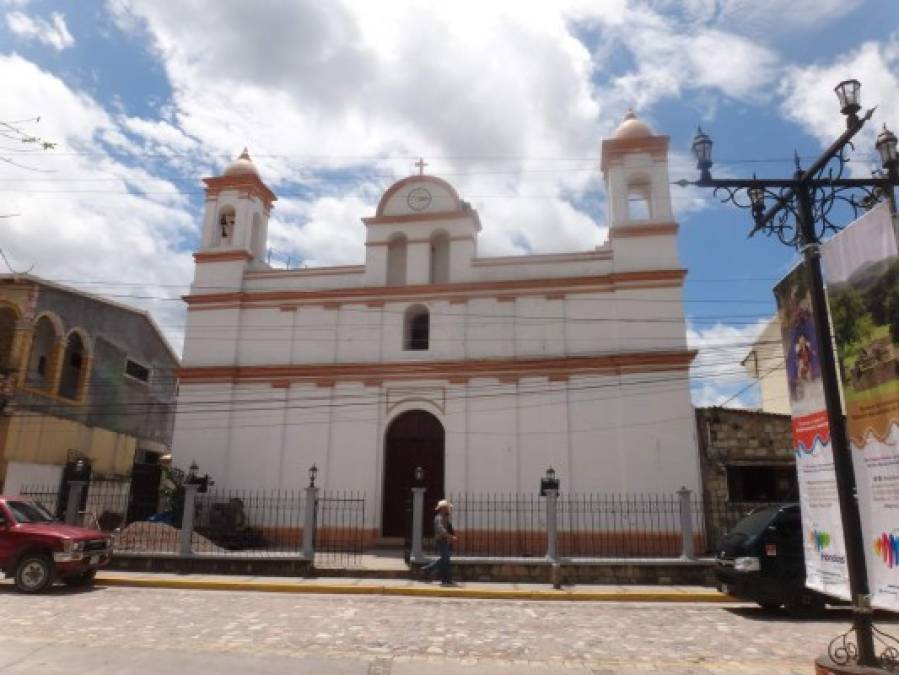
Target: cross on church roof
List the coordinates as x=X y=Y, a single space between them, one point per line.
x=421 y=164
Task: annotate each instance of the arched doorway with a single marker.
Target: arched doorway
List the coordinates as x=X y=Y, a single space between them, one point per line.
x=414 y=438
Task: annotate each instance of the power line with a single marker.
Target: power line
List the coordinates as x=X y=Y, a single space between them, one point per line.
x=326 y=402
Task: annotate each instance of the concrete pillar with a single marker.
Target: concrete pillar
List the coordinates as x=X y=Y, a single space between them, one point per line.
x=418 y=504
x=76 y=489
x=418 y=262
x=552 y=525
x=54 y=367
x=21 y=350
x=686 y=524
x=309 y=524
x=187 y=519
x=87 y=364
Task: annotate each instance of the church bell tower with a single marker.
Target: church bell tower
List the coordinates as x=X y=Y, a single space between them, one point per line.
x=235 y=227
x=642 y=229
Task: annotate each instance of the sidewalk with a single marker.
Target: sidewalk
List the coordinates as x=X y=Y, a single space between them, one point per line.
x=408 y=587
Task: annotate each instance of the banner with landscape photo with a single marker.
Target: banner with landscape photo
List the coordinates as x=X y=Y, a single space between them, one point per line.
x=862 y=274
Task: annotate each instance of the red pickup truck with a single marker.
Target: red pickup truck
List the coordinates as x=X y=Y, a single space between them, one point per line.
x=36 y=549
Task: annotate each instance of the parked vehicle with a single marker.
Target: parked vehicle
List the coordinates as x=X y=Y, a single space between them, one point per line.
x=36 y=549
x=761 y=559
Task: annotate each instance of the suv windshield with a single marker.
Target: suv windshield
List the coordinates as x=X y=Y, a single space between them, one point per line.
x=755 y=523
x=29 y=512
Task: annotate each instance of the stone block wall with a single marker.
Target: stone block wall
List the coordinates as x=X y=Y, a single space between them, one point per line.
x=731 y=438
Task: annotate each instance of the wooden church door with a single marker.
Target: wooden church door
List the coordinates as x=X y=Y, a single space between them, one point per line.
x=414 y=438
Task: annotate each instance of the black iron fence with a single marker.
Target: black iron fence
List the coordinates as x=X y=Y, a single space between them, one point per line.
x=251 y=523
x=630 y=526
x=272 y=524
x=232 y=523
x=340 y=533
x=499 y=525
x=590 y=525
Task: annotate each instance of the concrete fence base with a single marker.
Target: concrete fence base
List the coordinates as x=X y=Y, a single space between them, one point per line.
x=673 y=571
x=643 y=571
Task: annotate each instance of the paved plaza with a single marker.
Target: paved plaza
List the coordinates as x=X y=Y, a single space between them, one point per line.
x=131 y=630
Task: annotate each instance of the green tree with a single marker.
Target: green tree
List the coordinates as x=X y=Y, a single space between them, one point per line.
x=847 y=309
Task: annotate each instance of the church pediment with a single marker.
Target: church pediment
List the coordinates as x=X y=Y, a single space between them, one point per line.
x=419 y=195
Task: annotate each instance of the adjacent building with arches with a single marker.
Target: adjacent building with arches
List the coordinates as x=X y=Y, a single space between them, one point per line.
x=81 y=377
x=482 y=370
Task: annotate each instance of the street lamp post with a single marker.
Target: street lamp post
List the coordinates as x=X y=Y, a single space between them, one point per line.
x=800 y=215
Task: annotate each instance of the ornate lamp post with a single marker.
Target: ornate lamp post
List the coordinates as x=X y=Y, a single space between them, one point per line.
x=313 y=472
x=799 y=212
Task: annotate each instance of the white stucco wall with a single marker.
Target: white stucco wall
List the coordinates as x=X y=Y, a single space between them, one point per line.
x=602 y=434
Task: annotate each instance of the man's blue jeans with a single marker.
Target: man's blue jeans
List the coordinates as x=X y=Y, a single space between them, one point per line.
x=442 y=564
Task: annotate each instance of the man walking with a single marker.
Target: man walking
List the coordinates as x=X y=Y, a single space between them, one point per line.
x=444 y=536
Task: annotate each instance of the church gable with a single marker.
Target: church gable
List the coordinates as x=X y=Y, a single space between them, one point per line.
x=419 y=195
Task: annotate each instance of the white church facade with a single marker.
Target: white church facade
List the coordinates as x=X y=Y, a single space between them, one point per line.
x=484 y=371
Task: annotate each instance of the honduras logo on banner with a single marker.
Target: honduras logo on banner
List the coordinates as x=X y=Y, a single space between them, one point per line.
x=820 y=539
x=886 y=546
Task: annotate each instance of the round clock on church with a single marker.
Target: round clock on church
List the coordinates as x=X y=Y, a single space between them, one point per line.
x=418 y=199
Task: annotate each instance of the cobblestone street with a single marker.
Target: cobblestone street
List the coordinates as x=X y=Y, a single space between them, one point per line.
x=120 y=630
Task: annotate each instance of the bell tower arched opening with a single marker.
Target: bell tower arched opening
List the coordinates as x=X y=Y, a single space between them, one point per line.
x=396 y=260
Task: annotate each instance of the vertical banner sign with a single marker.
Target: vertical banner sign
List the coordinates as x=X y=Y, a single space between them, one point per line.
x=862 y=273
x=825 y=549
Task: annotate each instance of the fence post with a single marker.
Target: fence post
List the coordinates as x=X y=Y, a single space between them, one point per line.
x=552 y=525
x=76 y=488
x=311 y=507
x=686 y=524
x=418 y=504
x=187 y=518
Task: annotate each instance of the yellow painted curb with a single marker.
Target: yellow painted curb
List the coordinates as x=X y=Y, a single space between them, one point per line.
x=416 y=591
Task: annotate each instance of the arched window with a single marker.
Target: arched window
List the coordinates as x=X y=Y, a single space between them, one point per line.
x=639 y=203
x=225 y=228
x=396 y=260
x=7 y=335
x=73 y=367
x=439 y=258
x=416 y=328
x=39 y=361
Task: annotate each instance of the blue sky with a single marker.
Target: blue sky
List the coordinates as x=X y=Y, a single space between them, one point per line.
x=508 y=101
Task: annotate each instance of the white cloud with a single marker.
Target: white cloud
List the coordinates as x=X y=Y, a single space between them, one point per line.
x=78 y=219
x=493 y=95
x=717 y=374
x=809 y=99
x=313 y=89
x=53 y=33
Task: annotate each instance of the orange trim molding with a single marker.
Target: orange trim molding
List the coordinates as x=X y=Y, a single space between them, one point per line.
x=648 y=230
x=324 y=375
x=416 y=217
x=613 y=148
x=604 y=283
x=420 y=241
x=249 y=183
x=221 y=256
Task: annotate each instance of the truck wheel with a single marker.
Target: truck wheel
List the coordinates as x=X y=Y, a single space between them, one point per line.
x=81 y=580
x=805 y=604
x=34 y=573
